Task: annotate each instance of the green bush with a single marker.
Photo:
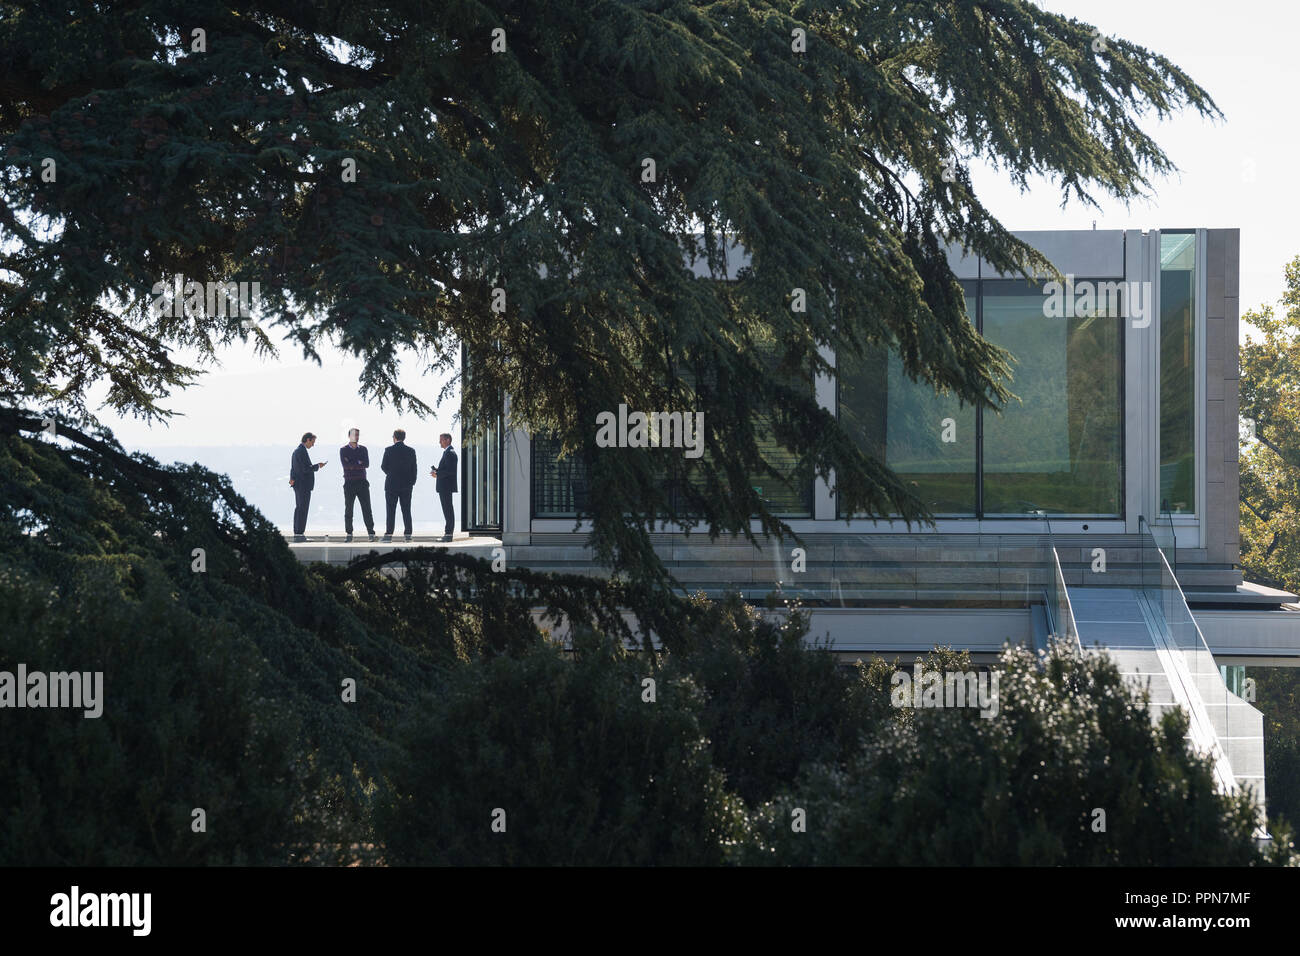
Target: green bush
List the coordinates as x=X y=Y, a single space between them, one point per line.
x=222 y=687
x=945 y=786
x=587 y=771
x=772 y=704
x=1278 y=697
x=186 y=723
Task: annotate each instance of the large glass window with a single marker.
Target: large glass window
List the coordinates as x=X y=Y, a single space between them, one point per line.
x=481 y=493
x=561 y=490
x=1178 y=371
x=480 y=480
x=928 y=439
x=1058 y=449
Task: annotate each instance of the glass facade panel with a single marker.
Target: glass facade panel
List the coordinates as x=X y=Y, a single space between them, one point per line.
x=481 y=489
x=480 y=464
x=788 y=499
x=1178 y=372
x=560 y=485
x=928 y=439
x=787 y=496
x=1059 y=449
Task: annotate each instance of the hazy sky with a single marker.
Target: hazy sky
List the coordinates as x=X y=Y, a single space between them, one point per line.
x=1237 y=173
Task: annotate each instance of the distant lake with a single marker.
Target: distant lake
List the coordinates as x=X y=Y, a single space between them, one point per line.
x=261 y=474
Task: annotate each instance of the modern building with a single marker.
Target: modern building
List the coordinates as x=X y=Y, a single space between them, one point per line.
x=1103 y=506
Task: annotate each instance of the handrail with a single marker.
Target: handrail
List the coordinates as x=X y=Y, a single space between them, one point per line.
x=1173 y=536
x=1210 y=692
x=1071 y=627
x=1060 y=612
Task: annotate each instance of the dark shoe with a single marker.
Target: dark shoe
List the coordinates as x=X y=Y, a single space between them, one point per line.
x=299 y=539
x=372 y=536
x=349 y=539
x=388 y=539
x=446 y=538
x=408 y=537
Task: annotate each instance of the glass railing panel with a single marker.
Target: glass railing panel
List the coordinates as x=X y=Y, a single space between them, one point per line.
x=1170 y=545
x=1162 y=531
x=1182 y=633
x=1064 y=626
x=922 y=570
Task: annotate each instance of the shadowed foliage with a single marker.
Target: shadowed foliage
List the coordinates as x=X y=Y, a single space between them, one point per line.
x=223 y=686
x=947 y=786
x=222 y=691
x=577 y=764
x=216 y=142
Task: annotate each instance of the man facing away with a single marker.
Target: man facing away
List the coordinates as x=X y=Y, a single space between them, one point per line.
x=302 y=478
x=356 y=459
x=398 y=466
x=445 y=485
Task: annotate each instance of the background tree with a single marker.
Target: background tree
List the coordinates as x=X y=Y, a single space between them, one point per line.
x=1270 y=457
x=1270 y=514
x=214 y=141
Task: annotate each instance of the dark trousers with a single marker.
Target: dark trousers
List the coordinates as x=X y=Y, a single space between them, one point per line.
x=447 y=512
x=354 y=489
x=391 y=498
x=302 y=501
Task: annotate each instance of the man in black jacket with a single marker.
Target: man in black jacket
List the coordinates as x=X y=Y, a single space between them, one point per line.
x=302 y=478
x=445 y=485
x=398 y=466
x=356 y=459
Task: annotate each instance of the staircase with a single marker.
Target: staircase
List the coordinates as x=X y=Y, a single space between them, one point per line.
x=1151 y=634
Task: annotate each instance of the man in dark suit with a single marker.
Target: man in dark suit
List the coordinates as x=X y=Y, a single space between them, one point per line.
x=398 y=466
x=445 y=485
x=302 y=478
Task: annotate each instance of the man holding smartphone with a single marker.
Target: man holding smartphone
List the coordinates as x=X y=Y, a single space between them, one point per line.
x=302 y=478
x=445 y=475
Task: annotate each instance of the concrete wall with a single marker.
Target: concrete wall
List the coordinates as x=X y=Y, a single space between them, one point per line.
x=1222 y=468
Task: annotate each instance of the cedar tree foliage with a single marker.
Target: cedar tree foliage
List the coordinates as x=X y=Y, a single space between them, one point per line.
x=503 y=146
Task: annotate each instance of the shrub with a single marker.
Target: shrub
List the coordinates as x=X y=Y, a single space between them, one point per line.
x=772 y=704
x=586 y=770
x=949 y=787
x=222 y=687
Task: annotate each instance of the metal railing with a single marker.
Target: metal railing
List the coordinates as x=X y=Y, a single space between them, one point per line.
x=924 y=570
x=1060 y=612
x=1190 y=660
